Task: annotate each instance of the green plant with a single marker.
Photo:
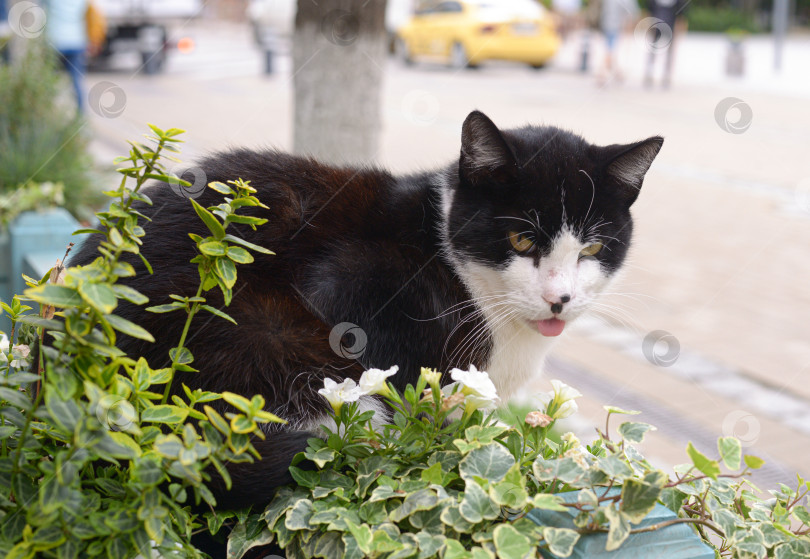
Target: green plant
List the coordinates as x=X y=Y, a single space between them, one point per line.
x=94 y=458
x=100 y=456
x=40 y=139
x=27 y=197
x=720 y=19
x=425 y=486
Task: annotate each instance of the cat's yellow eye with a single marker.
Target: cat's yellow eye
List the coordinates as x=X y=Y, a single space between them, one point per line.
x=591 y=250
x=520 y=242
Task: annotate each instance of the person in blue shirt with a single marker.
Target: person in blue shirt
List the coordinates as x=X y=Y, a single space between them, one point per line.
x=66 y=30
x=5 y=34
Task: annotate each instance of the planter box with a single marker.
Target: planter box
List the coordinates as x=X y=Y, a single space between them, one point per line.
x=31 y=246
x=673 y=542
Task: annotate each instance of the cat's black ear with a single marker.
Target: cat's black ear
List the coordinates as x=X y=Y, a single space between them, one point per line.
x=485 y=156
x=627 y=165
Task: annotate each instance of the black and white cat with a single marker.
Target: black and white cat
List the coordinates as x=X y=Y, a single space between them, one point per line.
x=483 y=262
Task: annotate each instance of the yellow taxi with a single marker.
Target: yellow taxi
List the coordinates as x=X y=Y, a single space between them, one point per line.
x=465 y=33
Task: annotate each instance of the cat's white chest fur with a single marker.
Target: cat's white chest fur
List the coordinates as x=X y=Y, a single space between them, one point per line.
x=517 y=356
x=518 y=352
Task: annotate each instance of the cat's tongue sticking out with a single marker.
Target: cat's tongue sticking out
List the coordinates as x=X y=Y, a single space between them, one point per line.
x=550 y=327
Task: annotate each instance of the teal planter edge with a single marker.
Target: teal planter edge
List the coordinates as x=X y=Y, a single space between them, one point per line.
x=678 y=541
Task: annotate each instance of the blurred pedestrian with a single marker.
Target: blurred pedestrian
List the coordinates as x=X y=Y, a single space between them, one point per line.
x=5 y=34
x=568 y=12
x=66 y=29
x=671 y=24
x=614 y=17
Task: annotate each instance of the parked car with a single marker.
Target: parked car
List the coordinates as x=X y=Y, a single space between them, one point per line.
x=142 y=26
x=468 y=32
x=279 y=15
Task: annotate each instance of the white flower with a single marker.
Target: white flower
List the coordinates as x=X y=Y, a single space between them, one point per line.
x=563 y=391
x=339 y=394
x=433 y=378
x=4 y=344
x=373 y=381
x=478 y=388
x=571 y=440
x=19 y=354
x=566 y=409
x=559 y=403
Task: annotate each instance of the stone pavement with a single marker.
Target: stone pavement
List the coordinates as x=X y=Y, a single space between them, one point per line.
x=720 y=259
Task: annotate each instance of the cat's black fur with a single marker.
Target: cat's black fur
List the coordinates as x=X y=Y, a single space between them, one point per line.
x=364 y=247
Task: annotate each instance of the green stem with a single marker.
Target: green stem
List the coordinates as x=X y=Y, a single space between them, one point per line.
x=194 y=309
x=660 y=525
x=24 y=432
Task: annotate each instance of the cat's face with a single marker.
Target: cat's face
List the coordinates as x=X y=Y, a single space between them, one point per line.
x=539 y=220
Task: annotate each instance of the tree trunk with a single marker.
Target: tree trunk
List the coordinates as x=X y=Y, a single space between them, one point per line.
x=338 y=59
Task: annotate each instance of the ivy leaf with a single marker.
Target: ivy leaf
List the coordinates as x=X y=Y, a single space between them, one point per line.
x=633 y=431
x=477 y=505
x=430 y=545
x=298 y=516
x=432 y=474
x=564 y=469
x=795 y=549
x=640 y=496
x=614 y=466
x=466 y=446
x=511 y=491
x=362 y=535
x=753 y=462
x=672 y=498
x=454 y=550
x=511 y=544
x=322 y=456
x=490 y=462
x=614 y=409
x=423 y=499
x=547 y=501
x=451 y=517
x=560 y=541
x=485 y=434
x=730 y=452
x=709 y=467
x=619 y=528
x=239 y=543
